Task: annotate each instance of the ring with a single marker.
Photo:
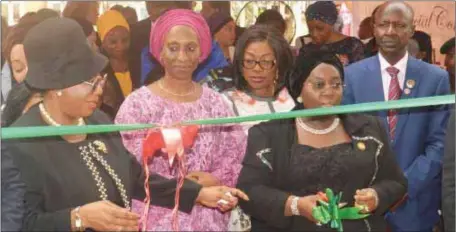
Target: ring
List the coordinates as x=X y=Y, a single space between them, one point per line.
x=222 y=202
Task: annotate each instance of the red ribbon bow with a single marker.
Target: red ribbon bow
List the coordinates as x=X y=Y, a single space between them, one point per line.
x=173 y=141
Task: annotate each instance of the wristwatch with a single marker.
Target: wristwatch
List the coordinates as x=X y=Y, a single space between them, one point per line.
x=78 y=220
x=294 y=206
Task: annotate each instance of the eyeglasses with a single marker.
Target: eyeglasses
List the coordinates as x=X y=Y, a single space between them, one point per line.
x=264 y=64
x=96 y=82
x=321 y=85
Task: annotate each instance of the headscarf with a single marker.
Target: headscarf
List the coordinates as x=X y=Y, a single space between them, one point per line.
x=325 y=11
x=109 y=20
x=180 y=17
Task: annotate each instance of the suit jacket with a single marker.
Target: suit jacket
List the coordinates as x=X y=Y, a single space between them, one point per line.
x=13 y=190
x=57 y=179
x=267 y=182
x=140 y=36
x=448 y=181
x=419 y=135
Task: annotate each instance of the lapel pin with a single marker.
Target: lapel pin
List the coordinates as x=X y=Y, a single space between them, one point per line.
x=101 y=146
x=361 y=146
x=407 y=91
x=410 y=84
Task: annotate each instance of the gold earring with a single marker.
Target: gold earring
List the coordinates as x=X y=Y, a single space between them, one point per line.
x=299 y=99
x=59 y=93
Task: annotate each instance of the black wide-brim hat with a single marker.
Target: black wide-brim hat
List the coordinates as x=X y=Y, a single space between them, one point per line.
x=59 y=55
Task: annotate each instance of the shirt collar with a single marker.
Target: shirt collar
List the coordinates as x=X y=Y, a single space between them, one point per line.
x=401 y=64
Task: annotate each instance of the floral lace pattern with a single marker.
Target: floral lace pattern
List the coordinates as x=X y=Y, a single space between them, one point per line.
x=218 y=150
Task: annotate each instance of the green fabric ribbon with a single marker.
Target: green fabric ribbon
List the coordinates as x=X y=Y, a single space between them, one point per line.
x=43 y=131
x=333 y=213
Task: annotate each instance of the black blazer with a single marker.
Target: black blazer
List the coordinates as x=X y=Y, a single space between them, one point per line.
x=13 y=189
x=57 y=179
x=268 y=190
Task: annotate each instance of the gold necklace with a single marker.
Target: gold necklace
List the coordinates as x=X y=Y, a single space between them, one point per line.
x=160 y=84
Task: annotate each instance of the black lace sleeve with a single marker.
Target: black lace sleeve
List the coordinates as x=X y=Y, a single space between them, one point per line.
x=357 y=51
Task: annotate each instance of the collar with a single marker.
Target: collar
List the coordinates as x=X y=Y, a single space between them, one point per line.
x=401 y=64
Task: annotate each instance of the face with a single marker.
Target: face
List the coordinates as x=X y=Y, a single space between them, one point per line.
x=18 y=62
x=207 y=9
x=392 y=32
x=81 y=100
x=226 y=35
x=449 y=61
x=181 y=52
x=92 y=14
x=259 y=66
x=319 y=31
x=323 y=87
x=117 y=42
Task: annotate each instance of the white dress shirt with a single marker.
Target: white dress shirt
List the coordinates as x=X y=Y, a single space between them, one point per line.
x=401 y=65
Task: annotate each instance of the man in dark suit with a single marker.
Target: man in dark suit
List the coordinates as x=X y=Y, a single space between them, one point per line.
x=448 y=181
x=416 y=135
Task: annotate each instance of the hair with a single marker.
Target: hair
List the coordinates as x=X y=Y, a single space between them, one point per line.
x=281 y=48
x=17 y=34
x=47 y=13
x=305 y=64
x=118 y=8
x=133 y=11
x=424 y=43
x=152 y=5
x=413 y=47
x=373 y=14
x=87 y=26
x=220 y=6
x=5 y=30
x=28 y=17
x=398 y=6
x=15 y=103
x=78 y=9
x=270 y=16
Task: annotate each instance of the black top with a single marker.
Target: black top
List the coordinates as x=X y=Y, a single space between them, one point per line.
x=349 y=49
x=276 y=166
x=58 y=178
x=448 y=181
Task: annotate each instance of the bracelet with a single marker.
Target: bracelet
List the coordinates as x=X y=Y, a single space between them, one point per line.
x=78 y=220
x=294 y=206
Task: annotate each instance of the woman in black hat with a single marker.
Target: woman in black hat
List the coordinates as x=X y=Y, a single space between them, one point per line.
x=289 y=161
x=85 y=181
x=321 y=17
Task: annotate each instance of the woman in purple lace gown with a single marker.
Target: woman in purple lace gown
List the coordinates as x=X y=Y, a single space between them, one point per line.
x=218 y=151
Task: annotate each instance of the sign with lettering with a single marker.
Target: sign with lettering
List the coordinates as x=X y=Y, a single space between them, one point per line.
x=437 y=18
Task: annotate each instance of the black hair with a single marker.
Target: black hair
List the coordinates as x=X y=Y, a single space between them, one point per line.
x=15 y=103
x=46 y=13
x=305 y=64
x=281 y=48
x=272 y=17
x=117 y=8
x=424 y=43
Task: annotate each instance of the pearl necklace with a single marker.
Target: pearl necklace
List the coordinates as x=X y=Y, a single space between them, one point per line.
x=160 y=84
x=52 y=121
x=309 y=129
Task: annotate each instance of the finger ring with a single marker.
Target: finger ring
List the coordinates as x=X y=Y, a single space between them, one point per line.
x=222 y=202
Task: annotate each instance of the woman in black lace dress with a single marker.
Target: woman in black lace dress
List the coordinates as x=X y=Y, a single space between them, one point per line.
x=289 y=161
x=321 y=17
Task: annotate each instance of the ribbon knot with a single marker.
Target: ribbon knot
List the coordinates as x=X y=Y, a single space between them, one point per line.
x=331 y=211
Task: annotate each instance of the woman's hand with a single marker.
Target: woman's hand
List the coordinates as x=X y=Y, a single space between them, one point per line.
x=306 y=205
x=203 y=178
x=221 y=197
x=366 y=199
x=107 y=216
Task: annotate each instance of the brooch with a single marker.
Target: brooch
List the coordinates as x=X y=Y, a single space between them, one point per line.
x=101 y=146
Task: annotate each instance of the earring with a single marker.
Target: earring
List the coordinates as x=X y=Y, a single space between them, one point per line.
x=299 y=99
x=59 y=93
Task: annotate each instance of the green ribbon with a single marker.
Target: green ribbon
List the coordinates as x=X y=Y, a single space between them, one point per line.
x=331 y=212
x=43 y=131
